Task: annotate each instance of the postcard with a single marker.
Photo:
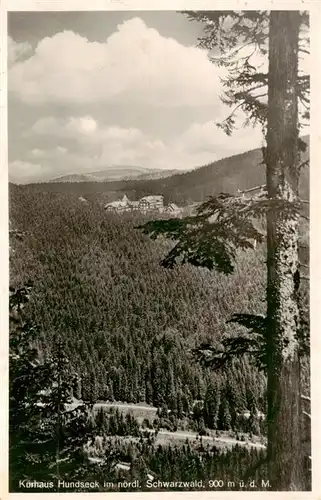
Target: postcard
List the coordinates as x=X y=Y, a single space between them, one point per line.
x=160 y=306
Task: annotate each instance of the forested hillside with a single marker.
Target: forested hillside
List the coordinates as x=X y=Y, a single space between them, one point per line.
x=241 y=171
x=129 y=324
x=159 y=323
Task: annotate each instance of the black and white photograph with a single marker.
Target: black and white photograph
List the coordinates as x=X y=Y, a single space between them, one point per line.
x=159 y=251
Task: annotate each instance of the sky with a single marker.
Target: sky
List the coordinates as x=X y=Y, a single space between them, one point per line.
x=91 y=89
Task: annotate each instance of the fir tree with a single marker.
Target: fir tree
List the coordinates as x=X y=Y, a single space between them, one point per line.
x=46 y=435
x=224 y=224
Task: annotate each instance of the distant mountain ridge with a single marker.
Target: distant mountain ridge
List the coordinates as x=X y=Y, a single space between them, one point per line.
x=117 y=173
x=238 y=172
x=228 y=175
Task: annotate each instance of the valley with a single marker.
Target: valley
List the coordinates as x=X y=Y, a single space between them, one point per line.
x=238 y=172
x=129 y=326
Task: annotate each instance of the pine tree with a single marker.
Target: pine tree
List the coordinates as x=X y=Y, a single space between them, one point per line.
x=77 y=389
x=211 y=406
x=224 y=224
x=283 y=158
x=253 y=423
x=224 y=417
x=46 y=435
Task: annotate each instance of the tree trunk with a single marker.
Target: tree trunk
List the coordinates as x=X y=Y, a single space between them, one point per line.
x=285 y=461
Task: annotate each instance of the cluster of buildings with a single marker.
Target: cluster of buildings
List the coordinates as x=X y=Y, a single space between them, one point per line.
x=151 y=203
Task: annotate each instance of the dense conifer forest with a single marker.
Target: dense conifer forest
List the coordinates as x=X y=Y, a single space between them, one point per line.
x=128 y=327
x=150 y=351
x=128 y=324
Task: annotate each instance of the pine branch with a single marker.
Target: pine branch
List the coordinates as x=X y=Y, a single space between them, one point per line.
x=229 y=57
x=255 y=188
x=228 y=123
x=257 y=87
x=259 y=95
x=221 y=225
x=253 y=322
x=304 y=164
x=244 y=30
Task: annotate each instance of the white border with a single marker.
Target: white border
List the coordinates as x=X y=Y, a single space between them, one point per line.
x=4 y=258
x=315 y=244
x=315 y=217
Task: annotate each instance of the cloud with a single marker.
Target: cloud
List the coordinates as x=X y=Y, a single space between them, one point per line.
x=207 y=138
x=92 y=146
x=25 y=171
x=16 y=50
x=104 y=145
x=144 y=85
x=84 y=130
x=199 y=140
x=37 y=153
x=70 y=127
x=47 y=153
x=135 y=64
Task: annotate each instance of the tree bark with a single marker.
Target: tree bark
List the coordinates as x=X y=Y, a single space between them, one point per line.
x=285 y=460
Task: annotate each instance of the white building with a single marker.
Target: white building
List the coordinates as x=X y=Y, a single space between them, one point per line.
x=173 y=210
x=151 y=203
x=145 y=204
x=123 y=205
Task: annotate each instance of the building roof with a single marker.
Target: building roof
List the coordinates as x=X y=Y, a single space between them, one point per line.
x=124 y=202
x=123 y=466
x=172 y=206
x=116 y=204
x=151 y=198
